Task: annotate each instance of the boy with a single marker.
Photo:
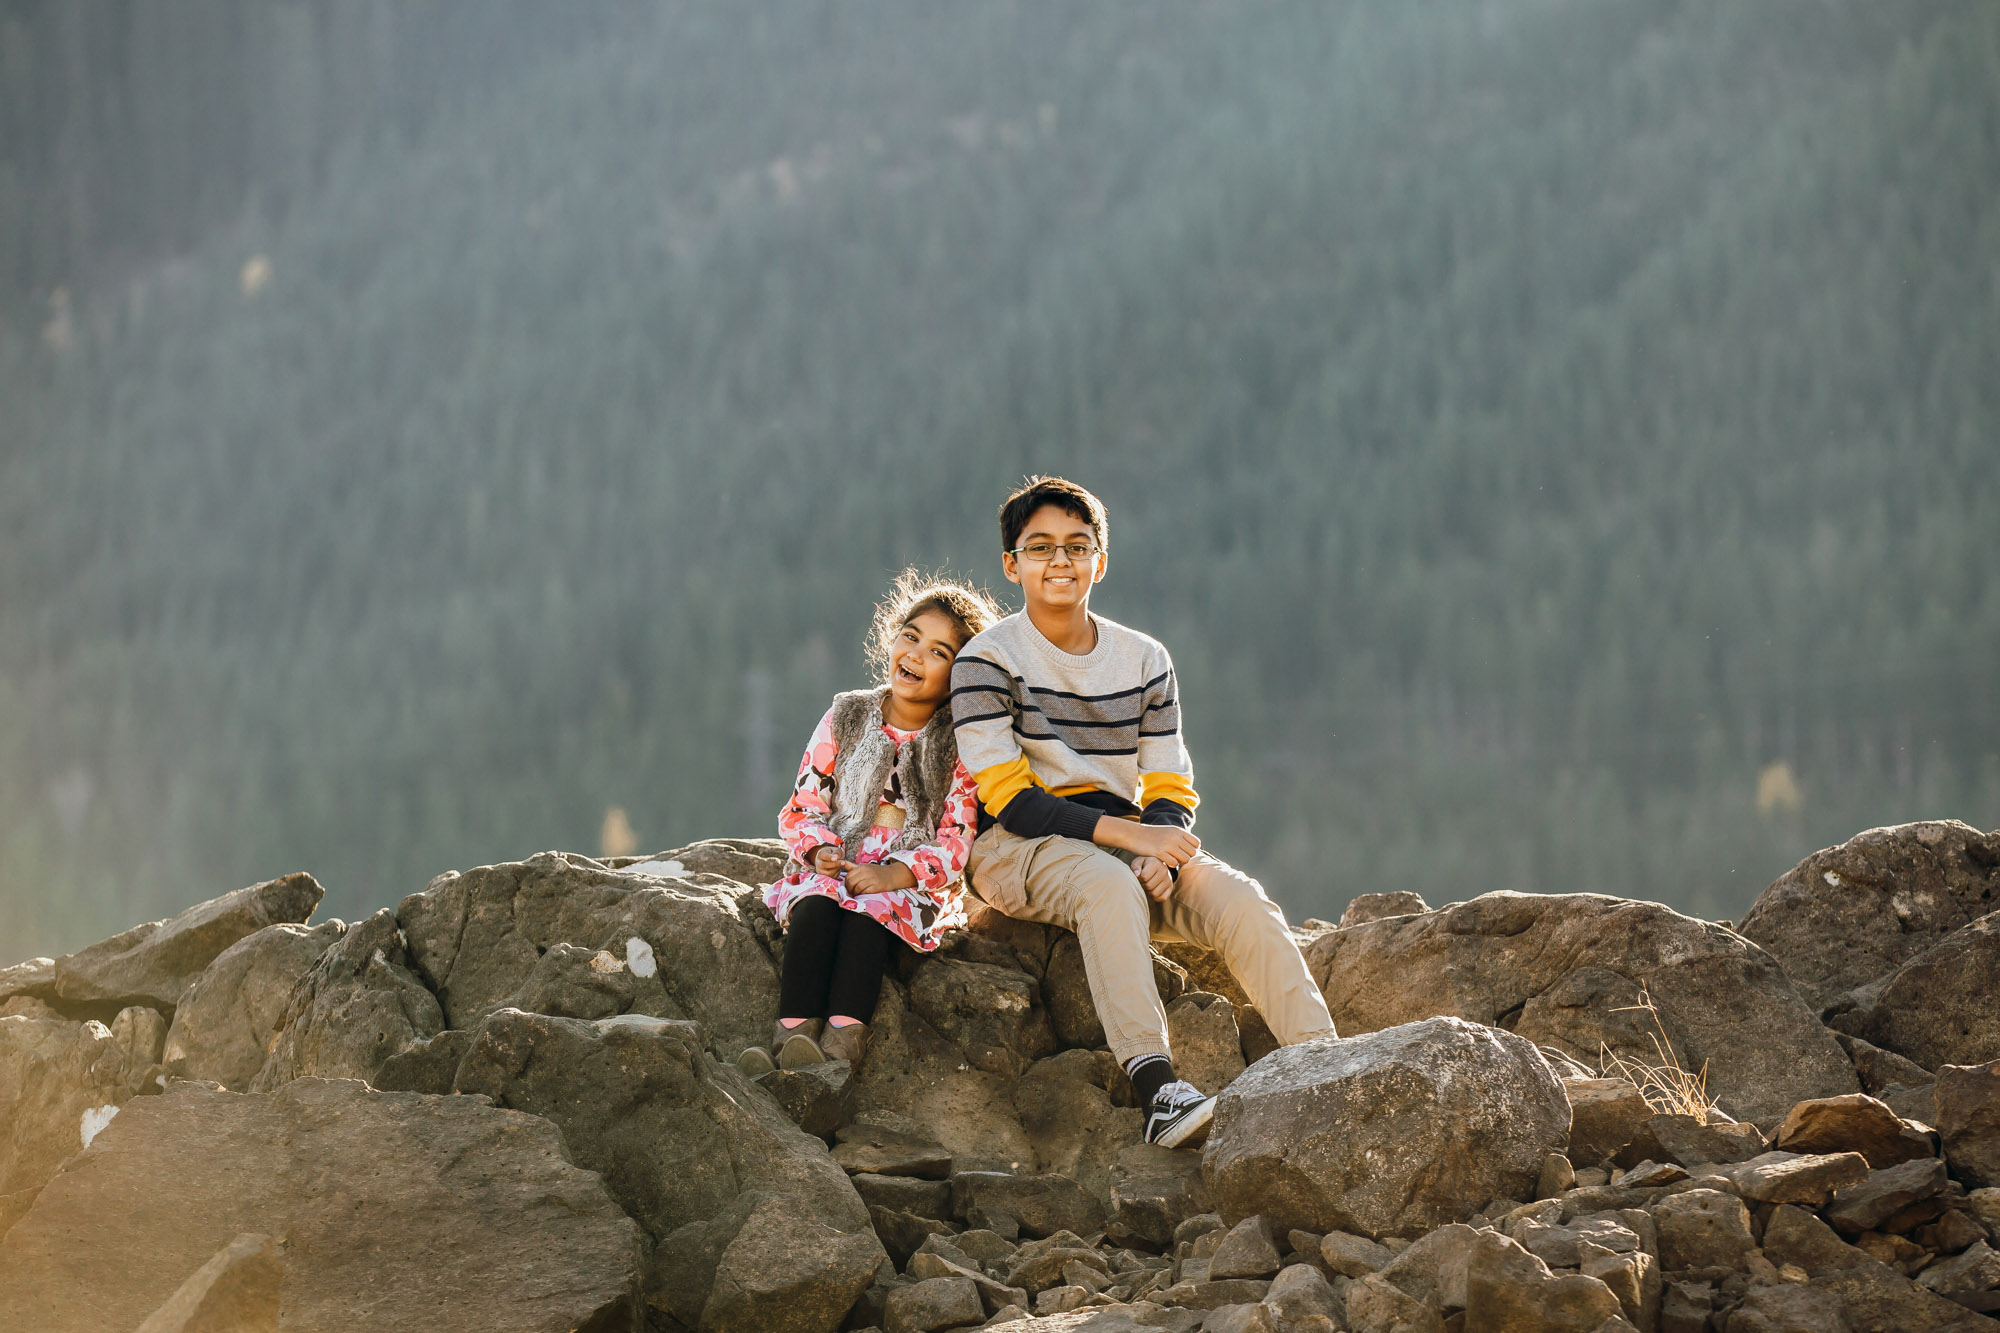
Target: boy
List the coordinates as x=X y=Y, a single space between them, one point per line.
x=1070 y=724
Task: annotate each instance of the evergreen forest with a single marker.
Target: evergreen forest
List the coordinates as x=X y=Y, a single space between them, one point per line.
x=1557 y=439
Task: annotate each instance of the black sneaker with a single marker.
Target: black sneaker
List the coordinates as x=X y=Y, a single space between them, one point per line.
x=1179 y=1116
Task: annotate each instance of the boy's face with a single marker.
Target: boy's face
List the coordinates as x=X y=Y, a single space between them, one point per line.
x=1062 y=581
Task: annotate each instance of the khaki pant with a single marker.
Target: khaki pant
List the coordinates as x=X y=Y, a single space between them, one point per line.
x=1088 y=889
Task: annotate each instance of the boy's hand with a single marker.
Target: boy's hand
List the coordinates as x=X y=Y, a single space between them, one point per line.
x=1153 y=877
x=885 y=878
x=1164 y=842
x=825 y=858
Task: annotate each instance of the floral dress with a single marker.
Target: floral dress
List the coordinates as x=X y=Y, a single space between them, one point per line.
x=918 y=916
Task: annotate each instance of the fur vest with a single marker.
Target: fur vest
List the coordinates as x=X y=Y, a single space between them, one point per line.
x=867 y=757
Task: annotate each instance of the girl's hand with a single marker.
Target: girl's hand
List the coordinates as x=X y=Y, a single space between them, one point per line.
x=885 y=878
x=825 y=858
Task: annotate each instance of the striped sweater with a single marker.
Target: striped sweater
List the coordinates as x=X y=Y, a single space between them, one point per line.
x=1057 y=739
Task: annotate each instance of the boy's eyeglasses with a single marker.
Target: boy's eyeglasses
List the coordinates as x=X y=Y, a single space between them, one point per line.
x=1040 y=551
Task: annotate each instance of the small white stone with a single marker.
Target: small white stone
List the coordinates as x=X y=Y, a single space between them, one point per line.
x=716 y=939
x=639 y=957
x=95 y=1119
x=1830 y=878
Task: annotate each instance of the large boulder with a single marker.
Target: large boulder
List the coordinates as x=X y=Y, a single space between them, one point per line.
x=477 y=936
x=697 y=1154
x=1845 y=916
x=398 y=1211
x=228 y=1018
x=62 y=1082
x=1572 y=971
x=356 y=1007
x=153 y=963
x=1388 y=1134
x=1939 y=1007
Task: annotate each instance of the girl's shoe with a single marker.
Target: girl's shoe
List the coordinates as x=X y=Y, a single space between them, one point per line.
x=755 y=1062
x=795 y=1047
x=848 y=1043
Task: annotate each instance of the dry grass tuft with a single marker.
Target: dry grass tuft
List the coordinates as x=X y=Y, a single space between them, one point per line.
x=1667 y=1085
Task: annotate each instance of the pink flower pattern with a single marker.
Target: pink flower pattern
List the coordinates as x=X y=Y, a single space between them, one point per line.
x=918 y=916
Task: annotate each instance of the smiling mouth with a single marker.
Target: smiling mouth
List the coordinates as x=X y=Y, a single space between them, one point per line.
x=905 y=673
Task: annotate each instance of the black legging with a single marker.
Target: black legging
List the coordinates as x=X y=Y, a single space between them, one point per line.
x=834 y=960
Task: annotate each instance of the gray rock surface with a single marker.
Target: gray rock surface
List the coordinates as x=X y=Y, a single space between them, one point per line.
x=692 y=1151
x=357 y=1006
x=1507 y=1289
x=993 y=1014
x=1391 y=1133
x=1938 y=1007
x=399 y=1212
x=1848 y=915
x=478 y=936
x=1367 y=907
x=1558 y=968
x=1208 y=1048
x=1968 y=1118
x=153 y=963
x=60 y=1084
x=237 y=1291
x=228 y=1017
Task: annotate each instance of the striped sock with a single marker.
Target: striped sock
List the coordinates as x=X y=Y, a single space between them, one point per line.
x=1149 y=1073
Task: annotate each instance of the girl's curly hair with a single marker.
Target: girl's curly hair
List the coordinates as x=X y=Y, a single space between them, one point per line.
x=915 y=592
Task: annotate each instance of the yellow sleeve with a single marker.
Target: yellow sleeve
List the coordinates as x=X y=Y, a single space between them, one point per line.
x=1001 y=783
x=1174 y=787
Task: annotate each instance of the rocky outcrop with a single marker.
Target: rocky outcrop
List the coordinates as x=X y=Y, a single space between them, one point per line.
x=477 y=937
x=357 y=1006
x=1388 y=1134
x=1572 y=971
x=152 y=964
x=1937 y=1008
x=1851 y=914
x=229 y=1017
x=398 y=1211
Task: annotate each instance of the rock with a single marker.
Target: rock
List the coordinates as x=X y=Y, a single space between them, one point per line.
x=1376 y=1305
x=754 y=861
x=570 y=981
x=938 y=1259
x=1366 y=907
x=1788 y=1310
x=429 y=1065
x=1848 y=915
x=908 y=1194
x=236 y=1291
x=878 y=1150
x=1040 y=1205
x=1147 y=1206
x=1038 y=1265
x=1557 y=1246
x=1392 y=1133
x=935 y=1303
x=1064 y=1104
x=478 y=936
x=1703 y=1228
x=1633 y=1278
x=697 y=1155
x=1794 y=1236
x=152 y=964
x=1968 y=1119
x=1976 y=1270
x=1208 y=1048
x=60 y=1083
x=1938 y=1008
x=1353 y=1256
x=1880 y=1070
x=993 y=1014
x=1685 y=1306
x=228 y=1017
x=1066 y=993
x=1579 y=958
x=1558 y=1176
x=1853 y=1123
x=492 y=1226
x=1782 y=1177
x=1508 y=1290
x=1877 y=1299
x=1884 y=1195
x=1605 y=1115
x=1432 y=1269
x=1247 y=1250
x=354 y=1008
x=819 y=1098
x=903 y=1234
x=1692 y=1142
x=34 y=979
x=1055 y=1300
x=1299 y=1291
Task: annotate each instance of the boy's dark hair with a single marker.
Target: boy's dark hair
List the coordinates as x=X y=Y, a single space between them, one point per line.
x=1067 y=496
x=914 y=593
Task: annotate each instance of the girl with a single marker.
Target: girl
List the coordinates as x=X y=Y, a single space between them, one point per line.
x=879 y=825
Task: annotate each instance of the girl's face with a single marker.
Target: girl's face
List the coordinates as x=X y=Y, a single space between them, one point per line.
x=920 y=659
